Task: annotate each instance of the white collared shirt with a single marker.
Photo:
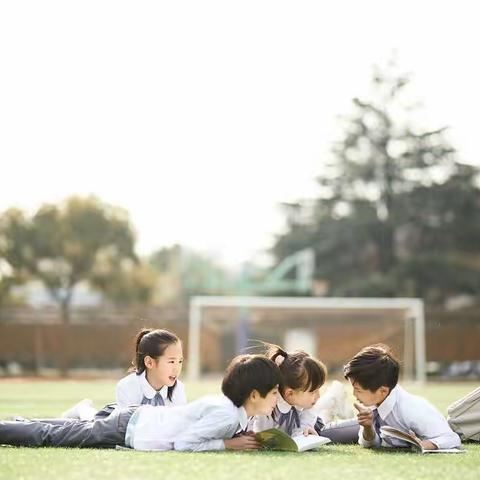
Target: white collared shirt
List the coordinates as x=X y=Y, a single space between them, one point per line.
x=197 y=426
x=407 y=412
x=131 y=389
x=307 y=418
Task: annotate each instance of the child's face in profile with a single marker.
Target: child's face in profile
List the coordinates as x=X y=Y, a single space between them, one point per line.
x=367 y=397
x=301 y=399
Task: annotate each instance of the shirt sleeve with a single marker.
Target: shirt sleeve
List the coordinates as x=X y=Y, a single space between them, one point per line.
x=429 y=424
x=308 y=418
x=180 y=396
x=375 y=442
x=125 y=397
x=205 y=434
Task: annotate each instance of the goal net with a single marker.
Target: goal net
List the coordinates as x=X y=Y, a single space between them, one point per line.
x=332 y=329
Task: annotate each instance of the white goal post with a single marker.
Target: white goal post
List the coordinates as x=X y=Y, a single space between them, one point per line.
x=412 y=309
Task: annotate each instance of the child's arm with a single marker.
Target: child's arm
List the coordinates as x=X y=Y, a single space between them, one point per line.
x=367 y=436
x=431 y=427
x=245 y=441
x=124 y=396
x=426 y=444
x=179 y=394
x=209 y=432
x=308 y=418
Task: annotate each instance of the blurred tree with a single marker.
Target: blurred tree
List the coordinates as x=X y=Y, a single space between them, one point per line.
x=12 y=245
x=396 y=212
x=183 y=272
x=60 y=245
x=6 y=283
x=124 y=281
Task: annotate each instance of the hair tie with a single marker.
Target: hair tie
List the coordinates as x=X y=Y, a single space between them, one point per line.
x=279 y=359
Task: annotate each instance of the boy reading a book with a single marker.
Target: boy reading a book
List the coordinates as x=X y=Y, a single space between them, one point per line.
x=373 y=373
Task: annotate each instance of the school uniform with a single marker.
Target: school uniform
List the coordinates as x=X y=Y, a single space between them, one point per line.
x=135 y=390
x=200 y=425
x=292 y=420
x=343 y=431
x=408 y=412
x=101 y=433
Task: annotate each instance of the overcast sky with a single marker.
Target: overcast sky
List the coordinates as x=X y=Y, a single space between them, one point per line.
x=200 y=117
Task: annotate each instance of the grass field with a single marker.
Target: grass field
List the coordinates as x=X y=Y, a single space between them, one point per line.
x=49 y=398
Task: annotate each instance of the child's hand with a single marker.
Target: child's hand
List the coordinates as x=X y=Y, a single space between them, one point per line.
x=426 y=444
x=309 y=431
x=365 y=419
x=364 y=415
x=242 y=442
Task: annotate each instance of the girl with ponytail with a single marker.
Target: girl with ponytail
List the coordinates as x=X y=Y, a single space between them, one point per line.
x=155 y=370
x=302 y=377
x=153 y=380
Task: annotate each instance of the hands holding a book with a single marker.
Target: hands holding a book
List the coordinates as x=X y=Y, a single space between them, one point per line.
x=365 y=419
x=244 y=441
x=309 y=431
x=426 y=444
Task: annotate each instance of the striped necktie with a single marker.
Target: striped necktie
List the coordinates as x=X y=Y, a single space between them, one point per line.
x=377 y=423
x=290 y=420
x=156 y=401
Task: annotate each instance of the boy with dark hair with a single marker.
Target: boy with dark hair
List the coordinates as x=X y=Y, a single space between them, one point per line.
x=250 y=387
x=373 y=373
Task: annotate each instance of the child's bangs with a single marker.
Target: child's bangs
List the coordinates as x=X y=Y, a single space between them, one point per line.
x=314 y=375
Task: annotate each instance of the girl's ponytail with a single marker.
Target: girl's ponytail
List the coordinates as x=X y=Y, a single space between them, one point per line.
x=138 y=364
x=275 y=353
x=299 y=370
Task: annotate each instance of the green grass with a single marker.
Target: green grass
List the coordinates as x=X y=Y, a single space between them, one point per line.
x=49 y=398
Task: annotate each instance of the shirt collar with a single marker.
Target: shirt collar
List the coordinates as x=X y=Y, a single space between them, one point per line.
x=242 y=418
x=148 y=391
x=387 y=405
x=283 y=405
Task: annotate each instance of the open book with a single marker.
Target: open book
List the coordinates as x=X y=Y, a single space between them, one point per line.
x=275 y=439
x=406 y=437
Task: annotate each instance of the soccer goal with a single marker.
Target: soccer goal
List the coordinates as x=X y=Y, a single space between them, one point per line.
x=334 y=322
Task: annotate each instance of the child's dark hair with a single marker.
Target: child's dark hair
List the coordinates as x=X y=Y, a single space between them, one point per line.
x=373 y=367
x=153 y=343
x=299 y=370
x=247 y=373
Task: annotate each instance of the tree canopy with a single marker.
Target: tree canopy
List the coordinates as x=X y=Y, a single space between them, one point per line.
x=80 y=239
x=396 y=214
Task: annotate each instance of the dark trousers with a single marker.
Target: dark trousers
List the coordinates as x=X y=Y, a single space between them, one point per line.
x=340 y=431
x=101 y=433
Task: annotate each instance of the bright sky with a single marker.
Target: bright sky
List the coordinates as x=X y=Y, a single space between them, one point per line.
x=199 y=117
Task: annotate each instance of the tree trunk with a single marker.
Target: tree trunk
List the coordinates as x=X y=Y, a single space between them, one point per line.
x=64 y=359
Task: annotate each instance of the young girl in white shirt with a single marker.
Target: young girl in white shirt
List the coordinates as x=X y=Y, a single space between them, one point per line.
x=302 y=377
x=298 y=408
x=153 y=379
x=155 y=370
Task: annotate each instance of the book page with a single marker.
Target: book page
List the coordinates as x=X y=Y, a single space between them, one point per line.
x=401 y=435
x=308 y=442
x=445 y=450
